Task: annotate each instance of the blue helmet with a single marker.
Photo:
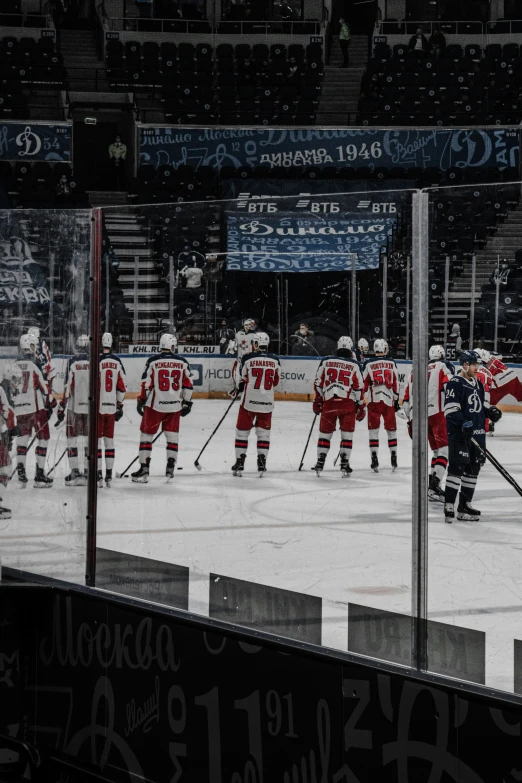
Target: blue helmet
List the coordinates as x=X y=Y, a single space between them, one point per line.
x=469 y=357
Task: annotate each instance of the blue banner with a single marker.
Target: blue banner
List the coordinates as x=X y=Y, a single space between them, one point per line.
x=299 y=243
x=278 y=147
x=28 y=142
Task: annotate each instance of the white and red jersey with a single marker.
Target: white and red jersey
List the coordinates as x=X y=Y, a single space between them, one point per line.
x=112 y=383
x=166 y=382
x=242 y=343
x=407 y=402
x=260 y=374
x=337 y=376
x=485 y=377
x=44 y=358
x=76 y=395
x=381 y=380
x=7 y=413
x=439 y=373
x=500 y=373
x=33 y=393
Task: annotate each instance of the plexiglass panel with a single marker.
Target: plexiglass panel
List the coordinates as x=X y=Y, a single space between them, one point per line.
x=311 y=554
x=474 y=542
x=45 y=263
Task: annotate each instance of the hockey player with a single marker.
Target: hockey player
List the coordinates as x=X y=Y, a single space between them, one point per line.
x=439 y=373
x=165 y=396
x=361 y=352
x=43 y=357
x=381 y=384
x=33 y=408
x=259 y=378
x=506 y=381
x=466 y=412
x=12 y=378
x=112 y=394
x=338 y=390
x=488 y=382
x=242 y=345
x=75 y=401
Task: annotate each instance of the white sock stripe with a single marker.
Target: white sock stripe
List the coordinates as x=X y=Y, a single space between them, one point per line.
x=452 y=482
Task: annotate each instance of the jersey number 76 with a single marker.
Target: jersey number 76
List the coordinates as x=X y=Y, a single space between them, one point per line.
x=258 y=373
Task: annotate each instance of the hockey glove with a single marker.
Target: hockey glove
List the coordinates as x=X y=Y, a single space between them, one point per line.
x=119 y=412
x=186 y=407
x=60 y=415
x=493 y=414
x=396 y=406
x=360 y=412
x=140 y=406
x=317 y=405
x=467 y=429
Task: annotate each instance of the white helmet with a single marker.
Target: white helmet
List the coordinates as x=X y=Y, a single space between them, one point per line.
x=34 y=331
x=82 y=341
x=106 y=340
x=13 y=374
x=168 y=343
x=380 y=346
x=484 y=355
x=363 y=345
x=28 y=343
x=437 y=352
x=261 y=340
x=345 y=342
x=249 y=325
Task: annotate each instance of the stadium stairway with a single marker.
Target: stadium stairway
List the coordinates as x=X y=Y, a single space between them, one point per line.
x=85 y=70
x=341 y=87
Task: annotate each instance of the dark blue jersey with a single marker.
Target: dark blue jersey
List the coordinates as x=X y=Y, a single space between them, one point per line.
x=464 y=401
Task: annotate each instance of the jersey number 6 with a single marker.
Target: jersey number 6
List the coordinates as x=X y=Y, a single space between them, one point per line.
x=164 y=380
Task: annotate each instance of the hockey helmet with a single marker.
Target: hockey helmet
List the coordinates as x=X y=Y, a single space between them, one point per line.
x=380 y=346
x=260 y=340
x=168 y=342
x=363 y=345
x=28 y=343
x=469 y=357
x=34 y=331
x=82 y=341
x=345 y=342
x=13 y=374
x=249 y=325
x=485 y=356
x=437 y=352
x=106 y=340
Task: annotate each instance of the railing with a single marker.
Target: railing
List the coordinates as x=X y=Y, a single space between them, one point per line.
x=25 y=20
x=504 y=26
x=203 y=27
x=408 y=27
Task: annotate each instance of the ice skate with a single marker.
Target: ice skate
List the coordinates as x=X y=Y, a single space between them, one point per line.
x=72 y=479
x=22 y=475
x=345 y=466
x=449 y=512
x=100 y=479
x=375 y=462
x=141 y=476
x=319 y=465
x=83 y=479
x=394 y=461
x=5 y=513
x=108 y=478
x=41 y=481
x=239 y=465
x=261 y=464
x=171 y=467
x=435 y=493
x=467 y=513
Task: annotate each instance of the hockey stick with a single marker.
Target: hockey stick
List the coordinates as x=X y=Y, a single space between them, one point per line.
x=58 y=461
x=122 y=475
x=29 y=446
x=308 y=440
x=503 y=472
x=222 y=419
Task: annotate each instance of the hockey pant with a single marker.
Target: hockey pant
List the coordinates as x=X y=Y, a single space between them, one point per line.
x=246 y=420
x=334 y=409
x=150 y=424
x=376 y=410
x=463 y=477
x=5 y=464
x=39 y=423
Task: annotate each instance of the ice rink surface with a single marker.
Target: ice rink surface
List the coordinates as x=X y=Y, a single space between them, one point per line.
x=344 y=540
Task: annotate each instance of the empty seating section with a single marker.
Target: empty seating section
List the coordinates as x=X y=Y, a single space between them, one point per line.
x=244 y=84
x=27 y=64
x=41 y=184
x=465 y=85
